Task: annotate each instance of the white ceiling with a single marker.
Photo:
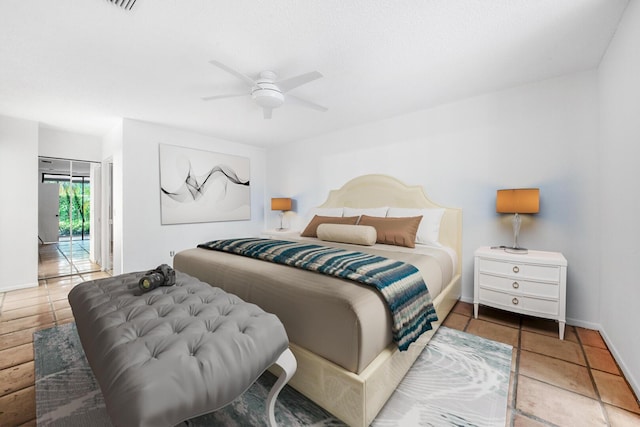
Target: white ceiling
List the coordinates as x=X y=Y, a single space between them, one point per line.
x=80 y=65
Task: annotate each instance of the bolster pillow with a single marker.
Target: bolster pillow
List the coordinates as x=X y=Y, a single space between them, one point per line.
x=343 y=233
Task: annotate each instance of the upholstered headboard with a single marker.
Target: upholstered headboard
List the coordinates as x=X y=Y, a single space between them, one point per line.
x=370 y=191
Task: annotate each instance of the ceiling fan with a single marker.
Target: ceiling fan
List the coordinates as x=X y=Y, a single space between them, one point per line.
x=269 y=92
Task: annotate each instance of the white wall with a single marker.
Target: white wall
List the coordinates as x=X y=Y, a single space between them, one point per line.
x=620 y=198
x=19 y=205
x=540 y=135
x=146 y=243
x=68 y=145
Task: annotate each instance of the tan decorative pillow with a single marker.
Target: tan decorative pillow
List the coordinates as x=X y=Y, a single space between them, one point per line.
x=394 y=231
x=344 y=233
x=311 y=229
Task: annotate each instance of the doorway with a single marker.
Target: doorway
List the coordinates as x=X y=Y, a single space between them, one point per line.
x=66 y=225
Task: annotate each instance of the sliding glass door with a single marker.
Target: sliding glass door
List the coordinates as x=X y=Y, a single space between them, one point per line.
x=65 y=232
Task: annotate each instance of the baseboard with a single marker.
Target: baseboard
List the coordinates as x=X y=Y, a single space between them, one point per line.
x=633 y=381
x=584 y=324
x=17 y=287
x=466 y=299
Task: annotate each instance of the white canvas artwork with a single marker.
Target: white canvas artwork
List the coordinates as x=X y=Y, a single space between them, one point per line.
x=203 y=186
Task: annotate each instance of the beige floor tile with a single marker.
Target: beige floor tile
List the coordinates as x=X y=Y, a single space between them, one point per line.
x=557 y=372
x=21 y=303
x=464 y=308
x=27 y=293
x=514 y=358
x=18 y=407
x=556 y=405
x=60 y=304
x=501 y=317
x=552 y=346
x=601 y=359
x=590 y=337
x=456 y=321
x=67 y=320
x=16 y=355
x=524 y=421
x=59 y=296
x=62 y=281
x=17 y=338
x=621 y=418
x=30 y=423
x=493 y=331
x=26 y=322
x=96 y=275
x=613 y=389
x=25 y=312
x=16 y=378
x=64 y=314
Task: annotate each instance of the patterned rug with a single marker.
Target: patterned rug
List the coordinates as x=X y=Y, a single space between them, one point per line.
x=458 y=380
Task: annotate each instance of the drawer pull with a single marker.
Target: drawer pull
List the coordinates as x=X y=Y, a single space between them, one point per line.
x=515 y=301
x=516 y=269
x=515 y=285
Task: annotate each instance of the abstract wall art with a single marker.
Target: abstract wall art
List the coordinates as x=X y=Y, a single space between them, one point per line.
x=203 y=186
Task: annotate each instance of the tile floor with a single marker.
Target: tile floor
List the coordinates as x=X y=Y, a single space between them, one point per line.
x=64 y=258
x=21 y=313
x=574 y=382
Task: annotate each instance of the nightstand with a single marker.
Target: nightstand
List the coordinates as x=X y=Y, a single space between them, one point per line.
x=276 y=234
x=534 y=283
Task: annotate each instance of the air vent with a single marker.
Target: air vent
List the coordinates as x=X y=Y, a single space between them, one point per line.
x=125 y=4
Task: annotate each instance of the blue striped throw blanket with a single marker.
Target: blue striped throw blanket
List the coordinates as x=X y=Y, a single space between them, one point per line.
x=400 y=284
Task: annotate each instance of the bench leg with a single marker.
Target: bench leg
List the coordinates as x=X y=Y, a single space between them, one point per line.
x=288 y=363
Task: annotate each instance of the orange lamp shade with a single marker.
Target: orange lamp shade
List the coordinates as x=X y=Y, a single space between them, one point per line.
x=520 y=200
x=280 y=204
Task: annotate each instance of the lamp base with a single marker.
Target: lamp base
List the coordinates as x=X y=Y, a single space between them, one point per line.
x=518 y=250
x=512 y=250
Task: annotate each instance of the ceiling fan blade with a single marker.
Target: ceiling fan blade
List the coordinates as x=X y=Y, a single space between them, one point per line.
x=267 y=112
x=292 y=83
x=231 y=95
x=295 y=100
x=246 y=79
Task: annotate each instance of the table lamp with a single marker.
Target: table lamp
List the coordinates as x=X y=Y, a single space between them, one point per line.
x=518 y=201
x=281 y=204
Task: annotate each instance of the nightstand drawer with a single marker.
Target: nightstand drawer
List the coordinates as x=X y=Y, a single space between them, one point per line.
x=519 y=303
x=520 y=287
x=515 y=269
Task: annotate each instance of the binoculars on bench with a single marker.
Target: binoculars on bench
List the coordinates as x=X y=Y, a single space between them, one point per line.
x=163 y=275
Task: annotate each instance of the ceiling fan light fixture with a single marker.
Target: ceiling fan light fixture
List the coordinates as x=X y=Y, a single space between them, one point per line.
x=267 y=97
x=267 y=91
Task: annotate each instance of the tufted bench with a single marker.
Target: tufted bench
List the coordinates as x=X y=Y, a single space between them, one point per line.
x=176 y=352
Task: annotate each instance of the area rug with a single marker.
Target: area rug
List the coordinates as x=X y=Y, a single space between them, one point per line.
x=458 y=380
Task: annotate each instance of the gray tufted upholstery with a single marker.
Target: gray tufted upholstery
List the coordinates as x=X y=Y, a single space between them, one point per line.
x=173 y=353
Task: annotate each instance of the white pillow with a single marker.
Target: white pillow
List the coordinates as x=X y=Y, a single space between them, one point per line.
x=429 y=229
x=344 y=233
x=381 y=211
x=326 y=212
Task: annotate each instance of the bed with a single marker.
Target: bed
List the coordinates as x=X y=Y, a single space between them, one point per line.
x=339 y=330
